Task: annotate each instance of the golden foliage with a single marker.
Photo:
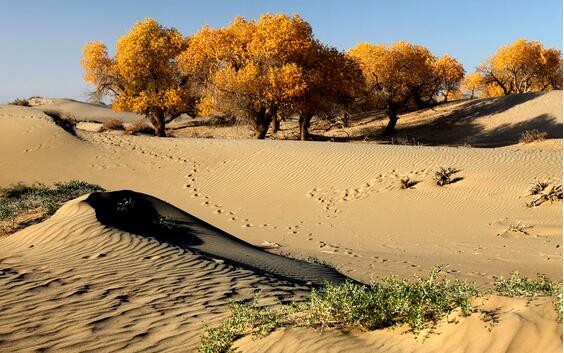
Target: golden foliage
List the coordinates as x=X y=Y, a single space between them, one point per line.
x=522 y=67
x=255 y=69
x=143 y=76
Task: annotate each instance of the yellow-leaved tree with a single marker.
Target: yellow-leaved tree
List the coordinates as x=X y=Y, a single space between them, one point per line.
x=402 y=74
x=257 y=70
x=142 y=76
x=472 y=85
x=522 y=67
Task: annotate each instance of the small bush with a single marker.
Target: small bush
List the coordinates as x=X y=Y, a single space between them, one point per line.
x=443 y=176
x=21 y=102
x=21 y=200
x=112 y=124
x=140 y=127
x=530 y=136
x=518 y=228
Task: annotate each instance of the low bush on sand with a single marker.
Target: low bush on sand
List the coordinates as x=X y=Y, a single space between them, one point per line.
x=112 y=124
x=443 y=176
x=387 y=302
x=22 y=205
x=530 y=136
x=21 y=102
x=140 y=127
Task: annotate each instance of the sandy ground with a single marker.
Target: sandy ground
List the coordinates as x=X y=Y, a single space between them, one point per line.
x=340 y=203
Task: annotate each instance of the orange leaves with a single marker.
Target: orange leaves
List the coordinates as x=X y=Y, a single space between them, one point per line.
x=143 y=76
x=522 y=67
x=95 y=61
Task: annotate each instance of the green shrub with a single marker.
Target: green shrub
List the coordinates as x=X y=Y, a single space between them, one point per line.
x=43 y=201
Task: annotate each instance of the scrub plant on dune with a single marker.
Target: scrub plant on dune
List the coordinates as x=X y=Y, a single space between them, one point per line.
x=22 y=205
x=388 y=302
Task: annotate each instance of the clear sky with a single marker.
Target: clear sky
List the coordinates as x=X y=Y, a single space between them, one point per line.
x=41 y=40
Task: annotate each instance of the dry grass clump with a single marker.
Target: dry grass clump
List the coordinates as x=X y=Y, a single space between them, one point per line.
x=443 y=176
x=110 y=125
x=21 y=102
x=543 y=192
x=530 y=136
x=140 y=127
x=407 y=183
x=518 y=228
x=22 y=205
x=405 y=141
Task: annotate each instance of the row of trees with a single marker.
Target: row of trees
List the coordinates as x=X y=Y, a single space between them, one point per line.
x=264 y=70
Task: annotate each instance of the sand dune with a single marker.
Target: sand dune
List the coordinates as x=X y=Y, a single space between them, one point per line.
x=81 y=111
x=109 y=289
x=71 y=284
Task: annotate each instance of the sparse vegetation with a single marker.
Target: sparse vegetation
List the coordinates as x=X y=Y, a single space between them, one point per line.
x=112 y=124
x=542 y=191
x=140 y=127
x=388 y=302
x=537 y=186
x=530 y=136
x=519 y=286
x=407 y=183
x=22 y=205
x=518 y=228
x=443 y=176
x=404 y=141
x=21 y=102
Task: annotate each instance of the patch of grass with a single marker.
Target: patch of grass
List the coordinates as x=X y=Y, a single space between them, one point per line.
x=443 y=176
x=112 y=124
x=22 y=205
x=21 y=102
x=519 y=286
x=530 y=136
x=387 y=302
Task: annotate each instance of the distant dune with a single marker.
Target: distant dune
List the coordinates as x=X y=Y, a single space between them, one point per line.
x=81 y=111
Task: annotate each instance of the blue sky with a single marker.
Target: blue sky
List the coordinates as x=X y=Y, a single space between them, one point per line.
x=41 y=41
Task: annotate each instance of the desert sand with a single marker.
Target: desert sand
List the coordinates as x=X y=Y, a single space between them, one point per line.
x=72 y=283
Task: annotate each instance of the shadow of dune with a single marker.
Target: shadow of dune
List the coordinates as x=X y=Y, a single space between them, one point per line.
x=461 y=125
x=148 y=216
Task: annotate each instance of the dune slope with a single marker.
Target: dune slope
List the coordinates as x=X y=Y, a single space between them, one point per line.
x=72 y=284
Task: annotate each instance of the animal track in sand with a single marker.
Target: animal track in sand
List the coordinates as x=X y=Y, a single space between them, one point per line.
x=383 y=182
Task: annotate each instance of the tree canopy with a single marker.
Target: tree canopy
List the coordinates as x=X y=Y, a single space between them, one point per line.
x=142 y=76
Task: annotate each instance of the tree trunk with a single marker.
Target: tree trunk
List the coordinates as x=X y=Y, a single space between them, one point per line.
x=262 y=122
x=275 y=124
x=392 y=120
x=305 y=120
x=158 y=121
